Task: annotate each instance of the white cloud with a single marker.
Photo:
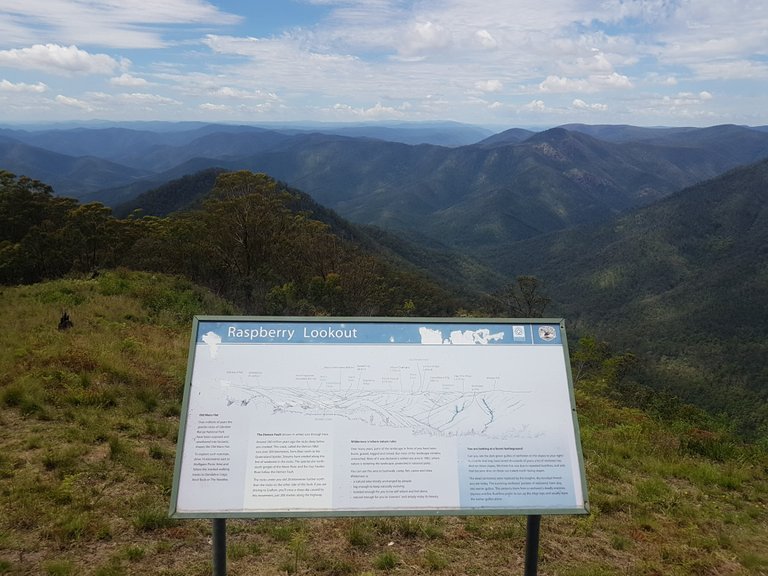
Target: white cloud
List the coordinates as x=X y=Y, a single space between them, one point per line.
x=106 y=102
x=486 y=39
x=371 y=50
x=594 y=83
x=650 y=11
x=144 y=98
x=684 y=107
x=560 y=84
x=535 y=106
x=730 y=70
x=444 y=57
x=278 y=65
x=6 y=86
x=579 y=104
x=595 y=63
x=74 y=103
x=61 y=60
x=663 y=80
x=241 y=46
x=687 y=99
x=286 y=55
x=489 y=86
x=376 y=112
x=210 y=107
x=425 y=37
x=613 y=80
x=127 y=80
x=125 y=24
x=239 y=94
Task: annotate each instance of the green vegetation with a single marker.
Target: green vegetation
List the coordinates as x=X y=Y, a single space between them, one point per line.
x=250 y=240
x=88 y=424
x=681 y=284
x=89 y=414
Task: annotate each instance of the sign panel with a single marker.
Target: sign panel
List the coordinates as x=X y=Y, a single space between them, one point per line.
x=339 y=417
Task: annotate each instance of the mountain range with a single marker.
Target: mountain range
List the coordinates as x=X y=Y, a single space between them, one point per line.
x=654 y=238
x=509 y=186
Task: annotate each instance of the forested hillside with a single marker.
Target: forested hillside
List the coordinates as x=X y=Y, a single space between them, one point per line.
x=677 y=284
x=251 y=240
x=681 y=283
x=451 y=268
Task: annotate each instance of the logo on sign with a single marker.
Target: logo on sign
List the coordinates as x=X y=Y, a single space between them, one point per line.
x=547 y=333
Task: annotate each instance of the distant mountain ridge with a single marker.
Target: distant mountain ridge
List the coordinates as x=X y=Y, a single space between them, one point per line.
x=69 y=174
x=477 y=196
x=504 y=188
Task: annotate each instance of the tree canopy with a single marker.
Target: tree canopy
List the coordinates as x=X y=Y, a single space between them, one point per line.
x=247 y=241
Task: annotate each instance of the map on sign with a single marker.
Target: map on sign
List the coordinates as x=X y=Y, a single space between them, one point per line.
x=481 y=336
x=331 y=417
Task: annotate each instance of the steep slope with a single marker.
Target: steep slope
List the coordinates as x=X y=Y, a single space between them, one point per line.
x=181 y=194
x=682 y=281
x=448 y=266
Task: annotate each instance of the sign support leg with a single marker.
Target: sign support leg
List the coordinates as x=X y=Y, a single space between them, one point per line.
x=219 y=547
x=532 y=545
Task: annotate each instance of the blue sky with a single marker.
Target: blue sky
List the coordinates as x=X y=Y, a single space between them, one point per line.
x=492 y=63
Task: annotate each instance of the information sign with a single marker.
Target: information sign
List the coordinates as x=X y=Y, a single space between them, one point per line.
x=344 y=417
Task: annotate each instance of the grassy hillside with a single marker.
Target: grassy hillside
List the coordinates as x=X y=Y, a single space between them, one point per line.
x=88 y=423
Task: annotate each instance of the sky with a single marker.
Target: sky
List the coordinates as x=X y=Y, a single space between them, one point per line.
x=493 y=63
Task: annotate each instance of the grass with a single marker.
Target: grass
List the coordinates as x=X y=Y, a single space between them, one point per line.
x=434 y=560
x=386 y=560
x=88 y=425
x=360 y=534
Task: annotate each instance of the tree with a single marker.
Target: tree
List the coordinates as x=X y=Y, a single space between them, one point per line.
x=91 y=235
x=593 y=360
x=22 y=205
x=31 y=222
x=247 y=219
x=589 y=358
x=524 y=298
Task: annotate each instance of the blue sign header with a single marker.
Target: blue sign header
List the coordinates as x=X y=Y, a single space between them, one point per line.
x=366 y=332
